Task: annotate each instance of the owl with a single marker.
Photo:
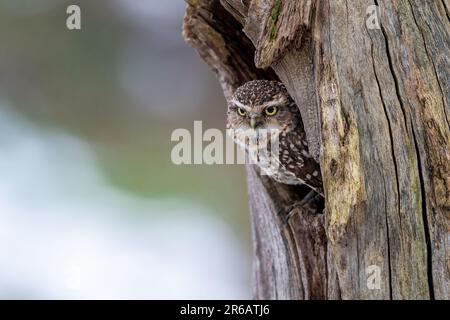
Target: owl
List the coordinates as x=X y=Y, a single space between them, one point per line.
x=261 y=112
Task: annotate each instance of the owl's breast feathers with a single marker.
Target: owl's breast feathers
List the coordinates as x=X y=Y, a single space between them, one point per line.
x=296 y=165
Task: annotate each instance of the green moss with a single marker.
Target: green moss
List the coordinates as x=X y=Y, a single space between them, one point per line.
x=193 y=3
x=275 y=14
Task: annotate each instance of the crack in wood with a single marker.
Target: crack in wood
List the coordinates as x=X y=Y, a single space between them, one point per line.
x=425 y=220
x=391 y=138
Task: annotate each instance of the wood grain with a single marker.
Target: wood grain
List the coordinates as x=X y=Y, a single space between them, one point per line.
x=375 y=104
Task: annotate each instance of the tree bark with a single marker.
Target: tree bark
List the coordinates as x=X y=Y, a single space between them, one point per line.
x=375 y=106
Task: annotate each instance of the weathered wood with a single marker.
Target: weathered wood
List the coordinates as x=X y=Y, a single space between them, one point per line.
x=289 y=256
x=275 y=26
x=375 y=105
x=284 y=258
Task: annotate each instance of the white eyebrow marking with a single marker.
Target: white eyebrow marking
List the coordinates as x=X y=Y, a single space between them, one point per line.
x=272 y=103
x=240 y=105
x=276 y=102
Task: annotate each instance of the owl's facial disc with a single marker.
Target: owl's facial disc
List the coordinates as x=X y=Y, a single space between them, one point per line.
x=260 y=110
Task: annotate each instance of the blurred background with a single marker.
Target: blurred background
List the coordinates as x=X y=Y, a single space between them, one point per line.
x=91 y=206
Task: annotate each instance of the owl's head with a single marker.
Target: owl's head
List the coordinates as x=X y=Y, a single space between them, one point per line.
x=262 y=104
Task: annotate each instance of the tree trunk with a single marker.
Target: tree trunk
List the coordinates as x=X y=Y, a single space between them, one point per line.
x=375 y=106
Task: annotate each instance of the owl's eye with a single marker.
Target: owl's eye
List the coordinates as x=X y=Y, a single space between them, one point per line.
x=241 y=112
x=271 y=111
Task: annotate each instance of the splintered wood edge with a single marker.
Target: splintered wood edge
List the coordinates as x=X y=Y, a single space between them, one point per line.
x=275 y=26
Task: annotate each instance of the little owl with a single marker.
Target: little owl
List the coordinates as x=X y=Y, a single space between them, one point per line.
x=262 y=104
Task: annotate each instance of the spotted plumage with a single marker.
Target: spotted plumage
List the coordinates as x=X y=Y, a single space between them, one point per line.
x=266 y=105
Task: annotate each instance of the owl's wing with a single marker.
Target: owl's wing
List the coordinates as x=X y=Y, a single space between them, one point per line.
x=310 y=175
x=297 y=159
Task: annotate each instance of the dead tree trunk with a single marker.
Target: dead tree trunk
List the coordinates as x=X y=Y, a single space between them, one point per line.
x=375 y=105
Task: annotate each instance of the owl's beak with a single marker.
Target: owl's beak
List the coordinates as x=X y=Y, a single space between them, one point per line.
x=254 y=122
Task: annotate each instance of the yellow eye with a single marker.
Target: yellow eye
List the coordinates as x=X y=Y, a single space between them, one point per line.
x=271 y=111
x=241 y=112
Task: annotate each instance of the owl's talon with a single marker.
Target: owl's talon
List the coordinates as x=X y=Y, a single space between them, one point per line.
x=286 y=213
x=290 y=214
x=289 y=211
